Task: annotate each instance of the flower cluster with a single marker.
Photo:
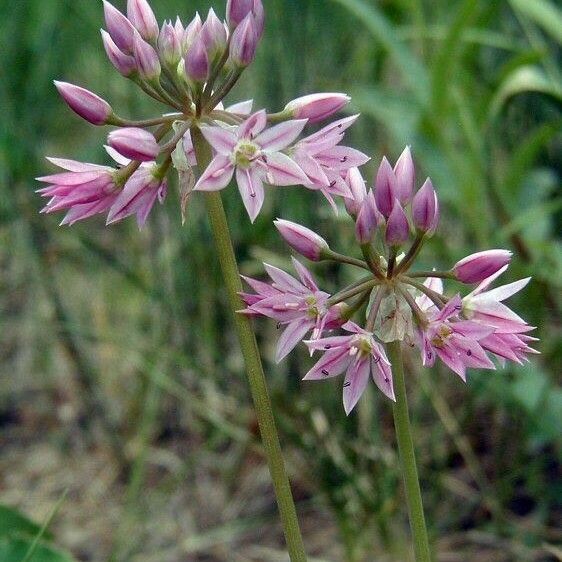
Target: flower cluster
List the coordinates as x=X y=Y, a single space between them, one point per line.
x=190 y=69
x=401 y=304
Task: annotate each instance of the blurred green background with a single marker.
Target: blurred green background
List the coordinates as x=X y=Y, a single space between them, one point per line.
x=120 y=379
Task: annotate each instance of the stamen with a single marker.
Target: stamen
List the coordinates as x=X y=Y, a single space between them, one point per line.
x=469 y=353
x=327 y=347
x=345 y=384
x=344 y=159
x=325 y=373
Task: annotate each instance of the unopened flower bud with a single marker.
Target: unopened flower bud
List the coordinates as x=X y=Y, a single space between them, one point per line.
x=191 y=32
x=385 y=188
x=147 y=59
x=88 y=105
x=368 y=219
x=316 y=107
x=214 y=35
x=405 y=173
x=143 y=19
x=119 y=27
x=237 y=10
x=479 y=266
x=356 y=184
x=424 y=207
x=134 y=143
x=197 y=61
x=259 y=17
x=302 y=239
x=124 y=64
x=178 y=28
x=244 y=42
x=169 y=44
x=397 y=226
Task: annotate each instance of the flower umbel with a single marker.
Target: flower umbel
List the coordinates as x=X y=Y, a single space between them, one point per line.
x=477 y=331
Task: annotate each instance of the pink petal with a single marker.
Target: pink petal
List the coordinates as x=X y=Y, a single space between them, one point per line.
x=280 y=136
x=356 y=380
x=471 y=353
x=242 y=108
x=291 y=336
x=505 y=291
x=342 y=158
x=251 y=190
x=254 y=125
x=220 y=139
x=284 y=281
x=75 y=166
x=281 y=170
x=217 y=175
x=331 y=364
x=382 y=375
x=305 y=275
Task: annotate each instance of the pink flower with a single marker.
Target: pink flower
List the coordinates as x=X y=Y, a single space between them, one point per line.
x=454 y=341
x=298 y=304
x=487 y=307
x=138 y=196
x=255 y=155
x=83 y=190
x=359 y=355
x=325 y=162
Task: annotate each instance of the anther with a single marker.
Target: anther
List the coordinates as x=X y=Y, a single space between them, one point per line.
x=325 y=373
x=345 y=384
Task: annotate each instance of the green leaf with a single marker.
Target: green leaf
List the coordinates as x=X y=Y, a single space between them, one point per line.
x=529 y=78
x=14 y=523
x=15 y=550
x=386 y=34
x=543 y=13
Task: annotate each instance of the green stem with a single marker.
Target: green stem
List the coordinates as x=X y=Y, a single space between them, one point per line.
x=407 y=456
x=248 y=345
x=341 y=258
x=440 y=274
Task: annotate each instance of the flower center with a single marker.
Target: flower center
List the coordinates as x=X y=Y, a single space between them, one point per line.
x=244 y=154
x=361 y=346
x=312 y=304
x=441 y=335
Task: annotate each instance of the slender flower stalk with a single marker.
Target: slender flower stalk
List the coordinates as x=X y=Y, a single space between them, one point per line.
x=254 y=369
x=407 y=456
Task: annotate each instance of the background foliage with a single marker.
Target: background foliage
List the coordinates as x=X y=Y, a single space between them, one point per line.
x=121 y=381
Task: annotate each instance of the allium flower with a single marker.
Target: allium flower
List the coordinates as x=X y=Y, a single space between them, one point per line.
x=83 y=190
x=359 y=355
x=254 y=153
x=296 y=303
x=487 y=307
x=138 y=196
x=454 y=341
x=325 y=162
